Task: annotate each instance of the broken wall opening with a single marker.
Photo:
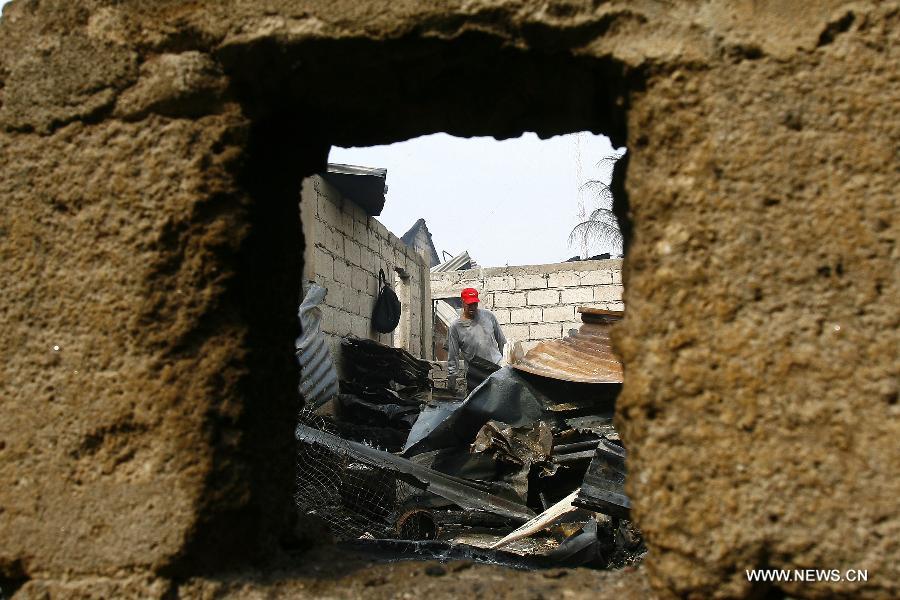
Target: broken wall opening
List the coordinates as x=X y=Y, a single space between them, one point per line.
x=541 y=92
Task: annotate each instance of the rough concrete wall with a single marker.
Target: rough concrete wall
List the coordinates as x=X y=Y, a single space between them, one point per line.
x=135 y=343
x=762 y=292
x=150 y=159
x=538 y=302
x=344 y=255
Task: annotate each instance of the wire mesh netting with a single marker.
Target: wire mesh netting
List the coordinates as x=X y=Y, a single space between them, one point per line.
x=354 y=499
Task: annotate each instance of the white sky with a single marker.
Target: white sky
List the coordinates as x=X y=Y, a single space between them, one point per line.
x=506 y=202
x=2 y=2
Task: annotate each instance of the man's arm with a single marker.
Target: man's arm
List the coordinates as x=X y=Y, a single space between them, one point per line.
x=498 y=334
x=452 y=352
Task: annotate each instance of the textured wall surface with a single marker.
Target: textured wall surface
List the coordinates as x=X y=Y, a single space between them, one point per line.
x=538 y=302
x=345 y=250
x=151 y=155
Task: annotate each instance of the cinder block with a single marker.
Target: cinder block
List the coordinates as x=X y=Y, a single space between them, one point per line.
x=454 y=276
x=601 y=305
x=329 y=212
x=443 y=286
x=366 y=305
x=531 y=282
x=608 y=293
x=352 y=252
x=360 y=327
x=341 y=271
x=515 y=333
x=617 y=276
x=617 y=306
x=543 y=297
x=359 y=215
x=387 y=251
x=351 y=301
x=361 y=308
x=486 y=301
x=577 y=295
x=502 y=283
x=367 y=260
x=604 y=277
x=525 y=315
x=342 y=323
x=328 y=319
x=380 y=229
x=558 y=313
x=324 y=264
x=346 y=223
x=509 y=300
x=332 y=298
x=545 y=331
x=563 y=279
x=373 y=281
x=320 y=206
x=503 y=315
x=337 y=243
x=360 y=232
x=388 y=268
x=335 y=295
x=400 y=258
x=372 y=240
x=360 y=280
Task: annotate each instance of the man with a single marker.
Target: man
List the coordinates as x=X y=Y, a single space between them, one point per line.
x=474 y=337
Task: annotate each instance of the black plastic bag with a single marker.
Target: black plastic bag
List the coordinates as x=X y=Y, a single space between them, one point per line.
x=386 y=314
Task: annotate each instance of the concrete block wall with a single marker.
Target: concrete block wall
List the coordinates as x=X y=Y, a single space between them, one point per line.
x=345 y=248
x=538 y=302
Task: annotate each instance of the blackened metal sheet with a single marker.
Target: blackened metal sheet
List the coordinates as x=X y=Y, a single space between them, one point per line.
x=504 y=396
x=603 y=488
x=372 y=363
x=586 y=356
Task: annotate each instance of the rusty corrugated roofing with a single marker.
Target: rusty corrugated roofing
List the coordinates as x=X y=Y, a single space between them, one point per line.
x=584 y=357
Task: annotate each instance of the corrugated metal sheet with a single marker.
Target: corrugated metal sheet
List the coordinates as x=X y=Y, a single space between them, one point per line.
x=318 y=377
x=460 y=261
x=584 y=357
x=446 y=313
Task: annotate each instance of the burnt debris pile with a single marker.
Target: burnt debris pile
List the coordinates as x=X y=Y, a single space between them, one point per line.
x=381 y=398
x=526 y=470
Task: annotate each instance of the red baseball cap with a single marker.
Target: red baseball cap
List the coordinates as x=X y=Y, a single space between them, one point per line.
x=469 y=295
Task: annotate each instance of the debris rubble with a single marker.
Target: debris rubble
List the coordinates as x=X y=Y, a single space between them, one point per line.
x=527 y=465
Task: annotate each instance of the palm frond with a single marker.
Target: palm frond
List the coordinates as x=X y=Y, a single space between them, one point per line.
x=600 y=226
x=599 y=190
